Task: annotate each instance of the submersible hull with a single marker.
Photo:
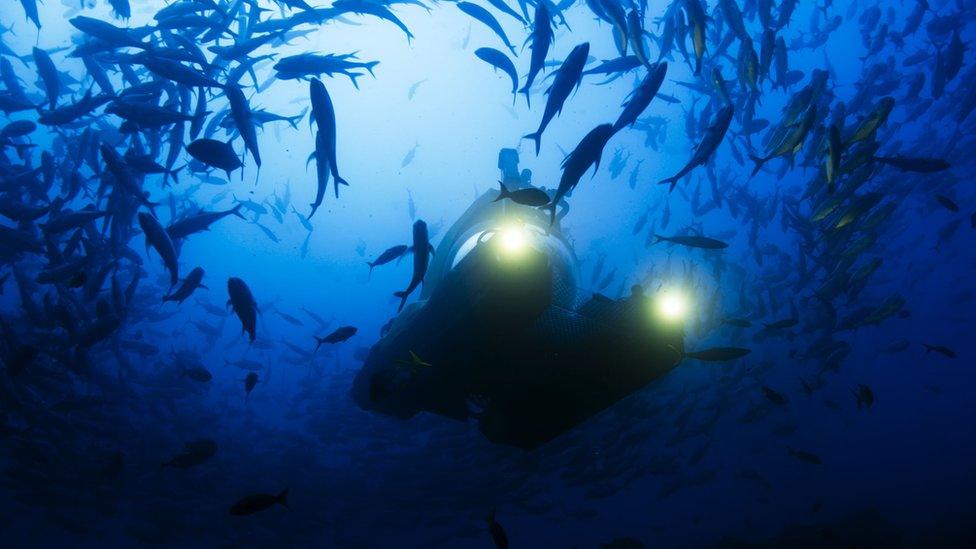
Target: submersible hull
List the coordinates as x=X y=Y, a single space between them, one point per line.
x=508 y=339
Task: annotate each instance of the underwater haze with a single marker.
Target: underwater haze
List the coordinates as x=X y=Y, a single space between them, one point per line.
x=217 y=219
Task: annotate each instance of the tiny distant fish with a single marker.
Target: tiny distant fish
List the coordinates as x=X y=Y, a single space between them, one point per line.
x=717 y=354
x=255 y=503
x=947 y=203
x=289 y=318
x=804 y=456
x=692 y=241
x=408 y=158
x=774 y=396
x=250 y=382
x=413 y=88
x=198 y=374
x=864 y=396
x=940 y=349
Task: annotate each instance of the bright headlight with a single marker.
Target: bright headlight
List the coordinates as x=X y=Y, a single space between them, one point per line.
x=672 y=305
x=514 y=238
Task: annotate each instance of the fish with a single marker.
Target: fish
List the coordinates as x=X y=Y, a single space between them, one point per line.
x=388 y=255
x=916 y=164
x=689 y=241
x=568 y=77
x=716 y=354
x=301 y=66
x=940 y=349
x=369 y=8
x=642 y=96
x=706 y=147
x=289 y=318
x=540 y=40
x=586 y=154
x=947 y=203
x=199 y=222
x=189 y=285
x=529 y=196
x=242 y=302
x=198 y=374
x=337 y=336
x=500 y=61
x=250 y=382
x=255 y=503
x=774 y=396
x=158 y=238
x=422 y=250
x=801 y=455
x=215 y=154
x=791 y=144
x=485 y=17
x=408 y=158
x=195 y=452
x=864 y=396
x=323 y=113
x=49 y=75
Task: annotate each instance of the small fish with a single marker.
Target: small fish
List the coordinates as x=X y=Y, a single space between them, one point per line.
x=864 y=396
x=804 y=456
x=774 y=396
x=189 y=285
x=250 y=381
x=500 y=61
x=337 y=336
x=255 y=503
x=717 y=354
x=396 y=252
x=941 y=349
x=529 y=196
x=198 y=373
x=692 y=242
x=947 y=203
x=194 y=453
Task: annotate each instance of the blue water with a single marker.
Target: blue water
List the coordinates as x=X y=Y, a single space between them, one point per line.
x=697 y=458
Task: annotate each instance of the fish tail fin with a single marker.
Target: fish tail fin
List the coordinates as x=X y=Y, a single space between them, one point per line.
x=403 y=299
x=369 y=67
x=525 y=91
x=658 y=238
x=282 y=497
x=339 y=181
x=174 y=174
x=759 y=162
x=236 y=210
x=502 y=192
x=537 y=137
x=928 y=348
x=672 y=181
x=321 y=340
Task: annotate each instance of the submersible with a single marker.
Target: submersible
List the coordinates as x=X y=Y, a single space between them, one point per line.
x=505 y=334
